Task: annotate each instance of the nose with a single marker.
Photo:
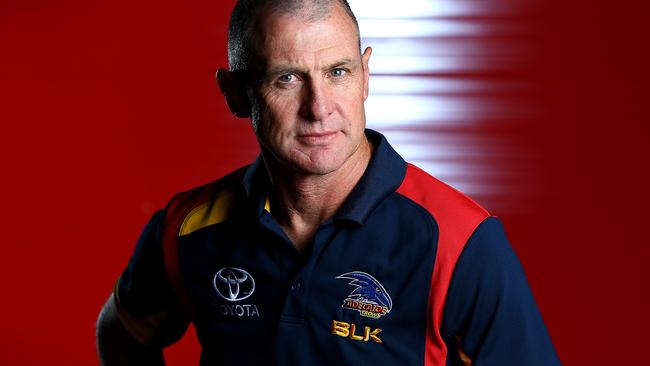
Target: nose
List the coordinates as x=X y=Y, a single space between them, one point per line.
x=318 y=102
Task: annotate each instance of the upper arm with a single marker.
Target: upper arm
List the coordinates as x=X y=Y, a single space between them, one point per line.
x=144 y=301
x=490 y=311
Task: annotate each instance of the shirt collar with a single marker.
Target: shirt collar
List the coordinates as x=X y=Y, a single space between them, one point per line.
x=382 y=177
x=384 y=174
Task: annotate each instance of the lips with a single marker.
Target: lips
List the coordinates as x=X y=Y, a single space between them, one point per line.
x=317 y=138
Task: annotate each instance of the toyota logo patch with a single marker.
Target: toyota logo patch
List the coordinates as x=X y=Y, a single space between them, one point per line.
x=233 y=284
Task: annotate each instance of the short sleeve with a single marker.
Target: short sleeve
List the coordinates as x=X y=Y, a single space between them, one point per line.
x=490 y=314
x=146 y=302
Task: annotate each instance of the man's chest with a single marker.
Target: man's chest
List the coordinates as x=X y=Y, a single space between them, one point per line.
x=361 y=294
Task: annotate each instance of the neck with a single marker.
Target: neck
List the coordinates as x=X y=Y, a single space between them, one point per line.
x=304 y=201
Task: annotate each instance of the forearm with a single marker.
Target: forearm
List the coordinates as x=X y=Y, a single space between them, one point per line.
x=116 y=346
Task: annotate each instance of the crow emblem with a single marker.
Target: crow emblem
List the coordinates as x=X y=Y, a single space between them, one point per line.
x=369 y=297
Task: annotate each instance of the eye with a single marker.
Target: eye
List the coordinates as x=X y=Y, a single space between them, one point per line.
x=337 y=73
x=286 y=78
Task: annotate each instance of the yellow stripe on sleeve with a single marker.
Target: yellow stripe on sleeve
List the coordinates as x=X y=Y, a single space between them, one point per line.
x=209 y=213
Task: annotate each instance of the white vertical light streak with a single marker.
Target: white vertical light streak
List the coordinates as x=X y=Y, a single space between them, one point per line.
x=423 y=93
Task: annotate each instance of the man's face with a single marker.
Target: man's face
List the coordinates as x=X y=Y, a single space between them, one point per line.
x=308 y=108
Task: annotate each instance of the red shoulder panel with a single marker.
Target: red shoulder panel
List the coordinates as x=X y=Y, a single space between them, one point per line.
x=457 y=217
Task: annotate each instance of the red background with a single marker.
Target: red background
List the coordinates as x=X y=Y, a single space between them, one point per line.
x=107 y=108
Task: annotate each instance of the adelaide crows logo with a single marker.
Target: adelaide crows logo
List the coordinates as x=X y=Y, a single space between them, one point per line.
x=369 y=297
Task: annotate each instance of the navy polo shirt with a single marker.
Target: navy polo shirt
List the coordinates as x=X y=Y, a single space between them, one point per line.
x=407 y=272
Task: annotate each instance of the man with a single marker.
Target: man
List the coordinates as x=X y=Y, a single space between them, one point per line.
x=329 y=249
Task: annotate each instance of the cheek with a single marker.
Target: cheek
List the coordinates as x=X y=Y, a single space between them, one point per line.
x=277 y=113
x=280 y=103
x=352 y=109
x=349 y=98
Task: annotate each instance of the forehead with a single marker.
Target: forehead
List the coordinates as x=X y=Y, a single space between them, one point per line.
x=301 y=38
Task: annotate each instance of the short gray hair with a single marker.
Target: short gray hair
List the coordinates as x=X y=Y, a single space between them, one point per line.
x=244 y=17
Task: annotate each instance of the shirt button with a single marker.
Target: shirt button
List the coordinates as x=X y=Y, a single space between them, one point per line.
x=295 y=287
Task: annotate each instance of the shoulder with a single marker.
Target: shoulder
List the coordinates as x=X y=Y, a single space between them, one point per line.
x=451 y=209
x=205 y=192
x=204 y=205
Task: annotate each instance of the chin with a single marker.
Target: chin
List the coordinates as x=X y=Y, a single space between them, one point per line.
x=318 y=168
x=320 y=162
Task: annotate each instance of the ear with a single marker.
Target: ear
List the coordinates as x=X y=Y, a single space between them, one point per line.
x=234 y=89
x=366 y=71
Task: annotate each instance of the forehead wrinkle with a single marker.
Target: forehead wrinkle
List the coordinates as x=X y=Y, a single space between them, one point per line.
x=295 y=58
x=303 y=41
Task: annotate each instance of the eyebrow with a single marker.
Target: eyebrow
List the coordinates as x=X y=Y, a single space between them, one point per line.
x=281 y=70
x=342 y=62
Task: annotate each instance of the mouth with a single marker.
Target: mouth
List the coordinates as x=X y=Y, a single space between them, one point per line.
x=317 y=138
